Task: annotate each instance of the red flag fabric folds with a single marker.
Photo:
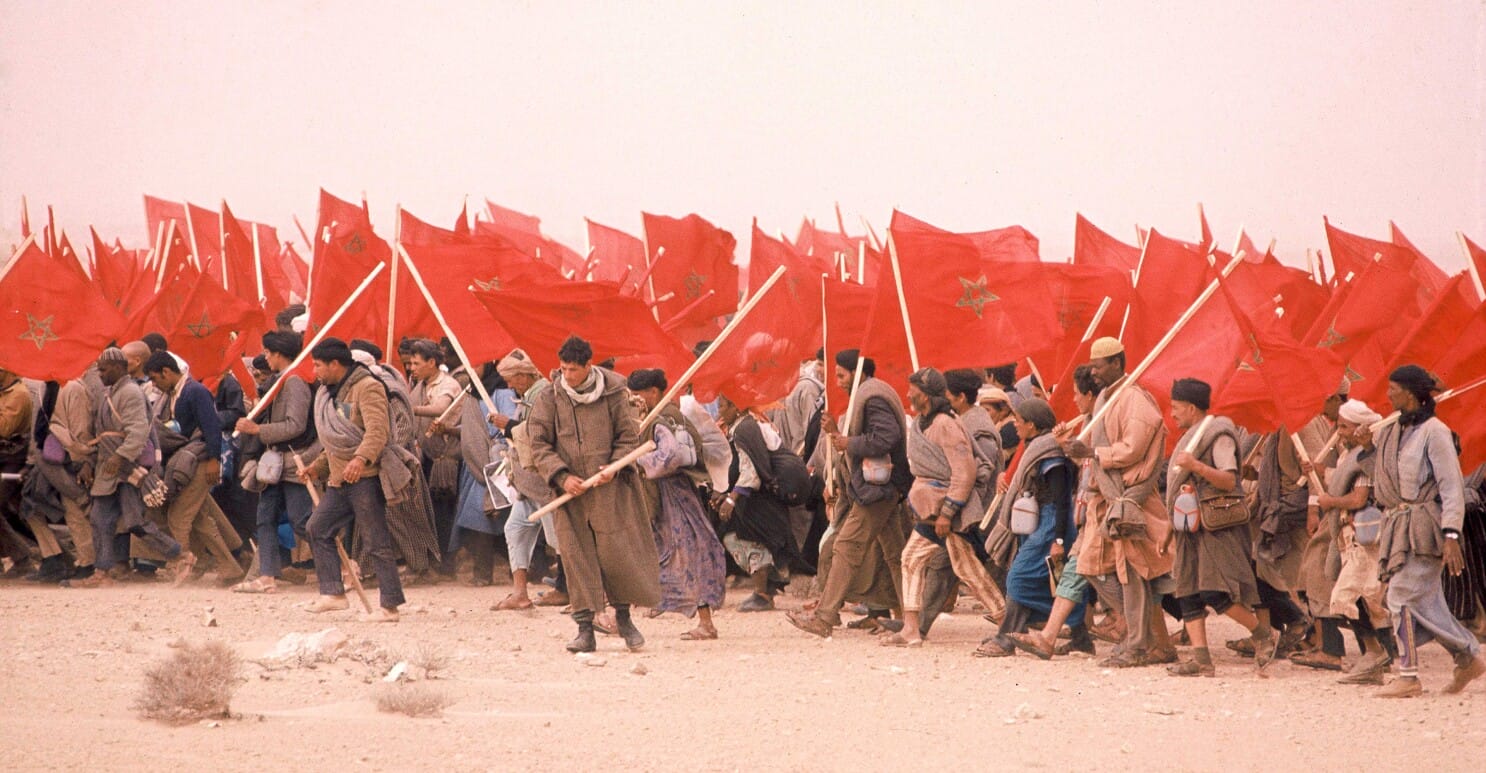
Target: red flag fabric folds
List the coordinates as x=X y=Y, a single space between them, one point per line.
x=1093 y=247
x=697 y=257
x=53 y=322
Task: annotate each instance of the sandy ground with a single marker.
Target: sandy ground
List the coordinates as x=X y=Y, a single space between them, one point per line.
x=764 y=696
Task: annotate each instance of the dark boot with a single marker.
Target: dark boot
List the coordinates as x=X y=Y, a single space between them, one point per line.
x=53 y=569
x=633 y=639
x=584 y=641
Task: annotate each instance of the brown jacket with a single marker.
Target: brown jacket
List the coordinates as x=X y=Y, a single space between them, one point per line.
x=366 y=400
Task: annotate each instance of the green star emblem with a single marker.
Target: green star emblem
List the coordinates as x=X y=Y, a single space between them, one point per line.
x=355 y=245
x=975 y=295
x=694 y=283
x=39 y=331
x=490 y=286
x=1332 y=338
x=201 y=328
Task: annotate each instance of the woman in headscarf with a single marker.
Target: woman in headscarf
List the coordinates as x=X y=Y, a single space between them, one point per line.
x=1042 y=485
x=1420 y=488
x=692 y=562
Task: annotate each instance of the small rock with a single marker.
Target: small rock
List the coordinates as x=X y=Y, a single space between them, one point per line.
x=210 y=621
x=595 y=662
x=515 y=647
x=639 y=669
x=1165 y=711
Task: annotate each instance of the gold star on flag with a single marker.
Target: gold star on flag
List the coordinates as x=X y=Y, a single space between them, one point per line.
x=39 y=331
x=975 y=296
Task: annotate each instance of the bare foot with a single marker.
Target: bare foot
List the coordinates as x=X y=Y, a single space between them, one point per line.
x=552 y=598
x=605 y=623
x=700 y=633
x=183 y=567
x=381 y=615
x=511 y=602
x=327 y=604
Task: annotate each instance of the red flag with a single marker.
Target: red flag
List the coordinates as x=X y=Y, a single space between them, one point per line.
x=1010 y=244
x=697 y=257
x=159 y=212
x=296 y=269
x=1466 y=415
x=53 y=322
x=1257 y=286
x=617 y=256
x=25 y=219
x=525 y=233
x=539 y=320
x=760 y=361
x=277 y=284
x=966 y=309
x=1351 y=253
x=1475 y=258
x=1093 y=247
x=238 y=266
x=1207 y=232
x=1463 y=363
x=1172 y=275
x=767 y=253
x=849 y=314
x=113 y=268
x=411 y=230
x=1365 y=322
x=203 y=333
x=1252 y=254
x=862 y=262
x=204 y=235
x=1433 y=337
x=1277 y=381
x=1425 y=269
x=346 y=250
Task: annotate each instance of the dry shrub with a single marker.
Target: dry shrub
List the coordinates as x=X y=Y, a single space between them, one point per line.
x=193 y=683
x=414 y=700
x=429 y=658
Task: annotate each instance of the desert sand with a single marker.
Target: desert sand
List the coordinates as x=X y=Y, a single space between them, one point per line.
x=763 y=696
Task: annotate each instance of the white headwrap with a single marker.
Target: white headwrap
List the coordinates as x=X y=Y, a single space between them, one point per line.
x=1357 y=412
x=363 y=357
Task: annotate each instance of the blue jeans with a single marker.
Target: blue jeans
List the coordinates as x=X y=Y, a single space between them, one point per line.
x=279 y=499
x=363 y=503
x=521 y=534
x=105 y=515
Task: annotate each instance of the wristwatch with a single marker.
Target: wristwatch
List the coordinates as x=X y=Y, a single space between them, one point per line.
x=1058 y=541
x=1451 y=534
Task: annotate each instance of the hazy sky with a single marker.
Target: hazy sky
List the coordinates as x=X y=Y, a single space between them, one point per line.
x=969 y=115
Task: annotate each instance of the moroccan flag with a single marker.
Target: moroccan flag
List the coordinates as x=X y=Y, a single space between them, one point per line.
x=849 y=312
x=1251 y=252
x=1078 y=290
x=1424 y=269
x=862 y=263
x=1433 y=337
x=525 y=233
x=1366 y=321
x=1207 y=232
x=760 y=361
x=159 y=212
x=1351 y=253
x=296 y=269
x=214 y=326
x=1276 y=381
x=238 y=264
x=1093 y=247
x=1464 y=363
x=204 y=235
x=452 y=271
x=617 y=256
x=114 y=269
x=1477 y=261
x=1261 y=285
x=539 y=319
x=697 y=257
x=1010 y=244
x=965 y=308
x=767 y=253
x=53 y=323
x=346 y=250
x=277 y=284
x=411 y=230
x=1172 y=275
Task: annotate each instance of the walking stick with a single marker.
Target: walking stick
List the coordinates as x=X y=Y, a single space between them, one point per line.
x=346 y=562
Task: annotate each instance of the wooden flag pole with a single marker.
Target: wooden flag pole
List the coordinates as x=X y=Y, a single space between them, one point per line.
x=609 y=470
x=314 y=340
x=438 y=314
x=1325 y=449
x=732 y=325
x=892 y=249
x=1161 y=345
x=392 y=293
x=348 y=567
x=165 y=253
x=871 y=234
x=690 y=307
x=825 y=395
x=1134 y=282
x=195 y=251
x=1304 y=456
x=1191 y=446
x=1470 y=265
x=257 y=263
x=862 y=262
x=453 y=404
x=1037 y=374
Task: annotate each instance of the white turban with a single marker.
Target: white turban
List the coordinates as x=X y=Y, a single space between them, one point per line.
x=365 y=358
x=1357 y=412
x=300 y=323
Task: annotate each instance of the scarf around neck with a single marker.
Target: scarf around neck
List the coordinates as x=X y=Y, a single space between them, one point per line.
x=586 y=393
